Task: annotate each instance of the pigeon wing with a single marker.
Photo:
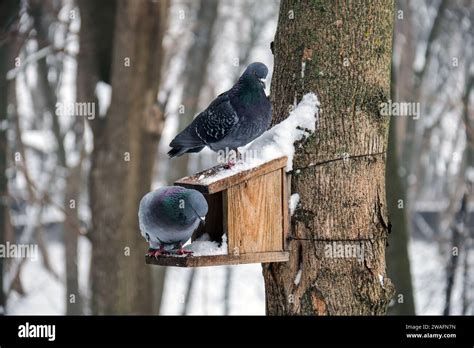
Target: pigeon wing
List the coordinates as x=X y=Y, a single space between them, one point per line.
x=214 y=123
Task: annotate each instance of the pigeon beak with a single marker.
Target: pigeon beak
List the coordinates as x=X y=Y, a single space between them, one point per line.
x=262 y=82
x=203 y=219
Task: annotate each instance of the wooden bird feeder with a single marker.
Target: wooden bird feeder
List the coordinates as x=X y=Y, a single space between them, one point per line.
x=250 y=207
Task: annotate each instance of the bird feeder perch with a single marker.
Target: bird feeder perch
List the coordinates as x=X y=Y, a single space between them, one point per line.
x=250 y=207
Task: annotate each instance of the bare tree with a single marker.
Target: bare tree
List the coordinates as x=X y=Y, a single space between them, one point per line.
x=457 y=242
x=125 y=142
x=8 y=15
x=45 y=95
x=433 y=81
x=194 y=78
x=398 y=260
x=195 y=71
x=255 y=16
x=468 y=197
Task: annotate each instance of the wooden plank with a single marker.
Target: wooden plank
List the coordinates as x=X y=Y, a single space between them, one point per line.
x=216 y=260
x=233 y=240
x=286 y=194
x=255 y=216
x=198 y=180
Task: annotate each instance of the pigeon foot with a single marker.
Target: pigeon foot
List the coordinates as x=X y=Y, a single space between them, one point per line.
x=160 y=252
x=233 y=159
x=229 y=165
x=182 y=251
x=157 y=252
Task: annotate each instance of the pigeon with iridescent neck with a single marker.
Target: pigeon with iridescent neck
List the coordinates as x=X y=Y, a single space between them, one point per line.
x=168 y=217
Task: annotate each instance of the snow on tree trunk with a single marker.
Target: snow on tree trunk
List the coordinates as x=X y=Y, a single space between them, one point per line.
x=342 y=52
x=122 y=161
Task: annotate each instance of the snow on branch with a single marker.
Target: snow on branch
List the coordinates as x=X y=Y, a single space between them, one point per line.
x=33 y=57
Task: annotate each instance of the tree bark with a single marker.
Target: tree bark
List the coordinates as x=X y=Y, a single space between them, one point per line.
x=342 y=52
x=122 y=161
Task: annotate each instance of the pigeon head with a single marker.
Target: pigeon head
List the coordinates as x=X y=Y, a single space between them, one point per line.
x=183 y=206
x=258 y=71
x=197 y=204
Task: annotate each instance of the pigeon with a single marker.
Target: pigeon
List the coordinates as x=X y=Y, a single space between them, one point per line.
x=233 y=119
x=168 y=217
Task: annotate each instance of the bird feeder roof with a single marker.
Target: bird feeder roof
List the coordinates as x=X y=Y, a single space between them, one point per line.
x=218 y=178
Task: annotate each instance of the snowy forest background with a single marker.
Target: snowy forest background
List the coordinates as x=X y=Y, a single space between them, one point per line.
x=207 y=44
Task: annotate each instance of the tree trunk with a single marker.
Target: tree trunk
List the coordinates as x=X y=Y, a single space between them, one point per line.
x=457 y=243
x=398 y=260
x=122 y=161
x=8 y=10
x=46 y=93
x=468 y=118
x=342 y=52
x=94 y=60
x=74 y=302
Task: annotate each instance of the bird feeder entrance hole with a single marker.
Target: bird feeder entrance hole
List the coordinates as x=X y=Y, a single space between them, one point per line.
x=250 y=207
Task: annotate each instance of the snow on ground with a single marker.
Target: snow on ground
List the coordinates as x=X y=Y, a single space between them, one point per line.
x=428 y=277
x=45 y=295
x=247 y=295
x=428 y=267
x=278 y=141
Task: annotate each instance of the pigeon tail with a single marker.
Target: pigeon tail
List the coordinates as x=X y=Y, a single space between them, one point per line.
x=178 y=151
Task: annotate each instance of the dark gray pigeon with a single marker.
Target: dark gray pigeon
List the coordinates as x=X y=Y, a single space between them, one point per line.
x=233 y=119
x=168 y=217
